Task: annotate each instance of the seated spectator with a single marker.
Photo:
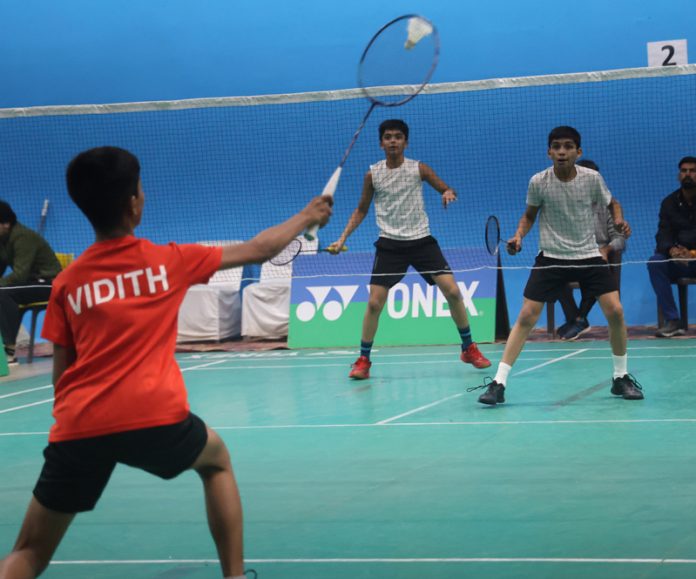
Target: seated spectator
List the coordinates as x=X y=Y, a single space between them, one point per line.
x=33 y=264
x=676 y=247
x=611 y=245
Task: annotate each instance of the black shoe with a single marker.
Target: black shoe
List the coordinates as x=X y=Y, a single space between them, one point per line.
x=576 y=330
x=494 y=394
x=627 y=387
x=671 y=328
x=563 y=329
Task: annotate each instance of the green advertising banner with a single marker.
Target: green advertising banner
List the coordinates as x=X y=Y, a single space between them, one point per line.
x=326 y=309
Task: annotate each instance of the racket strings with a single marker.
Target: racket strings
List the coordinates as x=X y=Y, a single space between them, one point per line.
x=492 y=235
x=402 y=56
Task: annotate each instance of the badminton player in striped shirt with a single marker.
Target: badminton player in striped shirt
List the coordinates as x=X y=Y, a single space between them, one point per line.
x=562 y=197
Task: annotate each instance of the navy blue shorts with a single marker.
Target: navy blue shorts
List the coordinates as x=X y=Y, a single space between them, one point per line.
x=75 y=472
x=393 y=258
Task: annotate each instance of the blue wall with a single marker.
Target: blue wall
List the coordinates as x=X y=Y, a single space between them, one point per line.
x=78 y=51
x=96 y=51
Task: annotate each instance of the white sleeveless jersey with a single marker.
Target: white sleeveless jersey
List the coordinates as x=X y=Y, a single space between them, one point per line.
x=398 y=199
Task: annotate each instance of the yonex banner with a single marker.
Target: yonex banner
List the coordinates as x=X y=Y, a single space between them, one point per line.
x=327 y=310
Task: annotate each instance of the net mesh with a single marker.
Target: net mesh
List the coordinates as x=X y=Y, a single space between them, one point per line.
x=226 y=168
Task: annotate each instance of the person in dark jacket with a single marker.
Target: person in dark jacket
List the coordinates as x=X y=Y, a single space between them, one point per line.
x=33 y=264
x=675 y=255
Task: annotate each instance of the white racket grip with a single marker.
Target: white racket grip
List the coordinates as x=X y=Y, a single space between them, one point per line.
x=329 y=190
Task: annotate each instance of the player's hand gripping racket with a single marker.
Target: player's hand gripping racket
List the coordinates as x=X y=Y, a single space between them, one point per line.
x=295 y=248
x=394 y=67
x=492 y=237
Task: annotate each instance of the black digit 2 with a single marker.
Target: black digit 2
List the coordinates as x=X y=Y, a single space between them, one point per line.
x=670 y=49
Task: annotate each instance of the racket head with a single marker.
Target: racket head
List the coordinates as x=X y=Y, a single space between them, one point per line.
x=492 y=235
x=402 y=55
x=288 y=254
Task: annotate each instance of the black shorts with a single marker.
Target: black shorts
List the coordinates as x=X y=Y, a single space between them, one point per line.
x=550 y=276
x=75 y=472
x=393 y=258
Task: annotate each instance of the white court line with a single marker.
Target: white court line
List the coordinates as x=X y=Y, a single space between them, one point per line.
x=203 y=366
x=464 y=423
x=294 y=355
x=401 y=560
x=552 y=361
x=25 y=391
x=425 y=407
x=388 y=420
x=453 y=362
x=24 y=433
x=414 y=363
x=198 y=367
x=26 y=406
x=15 y=408
x=432 y=424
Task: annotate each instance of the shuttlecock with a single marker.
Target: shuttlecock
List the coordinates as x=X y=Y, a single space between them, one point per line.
x=418 y=28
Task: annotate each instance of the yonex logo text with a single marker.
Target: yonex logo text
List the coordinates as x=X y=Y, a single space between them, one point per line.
x=414 y=300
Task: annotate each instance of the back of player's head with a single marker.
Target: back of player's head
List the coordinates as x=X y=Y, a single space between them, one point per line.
x=393 y=125
x=101 y=182
x=564 y=133
x=690 y=160
x=6 y=213
x=589 y=164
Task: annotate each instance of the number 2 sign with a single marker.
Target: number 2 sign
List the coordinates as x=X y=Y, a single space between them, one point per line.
x=667 y=53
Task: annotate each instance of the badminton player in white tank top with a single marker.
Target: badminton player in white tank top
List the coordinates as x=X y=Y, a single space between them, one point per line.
x=395 y=184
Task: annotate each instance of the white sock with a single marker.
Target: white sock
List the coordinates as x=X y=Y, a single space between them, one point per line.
x=237 y=577
x=502 y=373
x=620 y=365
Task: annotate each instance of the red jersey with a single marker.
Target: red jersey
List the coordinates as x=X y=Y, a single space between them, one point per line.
x=117 y=305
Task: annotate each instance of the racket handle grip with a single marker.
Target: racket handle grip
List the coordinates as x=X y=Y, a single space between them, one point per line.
x=329 y=190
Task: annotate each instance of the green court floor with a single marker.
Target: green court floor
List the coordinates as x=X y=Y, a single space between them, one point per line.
x=403 y=475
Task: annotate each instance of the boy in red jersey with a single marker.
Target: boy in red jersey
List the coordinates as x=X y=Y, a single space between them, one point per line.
x=119 y=393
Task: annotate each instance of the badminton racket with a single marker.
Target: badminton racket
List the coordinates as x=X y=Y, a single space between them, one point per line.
x=295 y=248
x=492 y=237
x=394 y=68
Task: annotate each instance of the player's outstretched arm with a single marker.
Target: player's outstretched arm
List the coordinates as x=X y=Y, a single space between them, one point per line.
x=357 y=216
x=428 y=175
x=514 y=244
x=273 y=240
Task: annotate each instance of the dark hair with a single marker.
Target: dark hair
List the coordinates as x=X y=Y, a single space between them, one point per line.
x=101 y=182
x=393 y=125
x=589 y=164
x=565 y=133
x=687 y=160
x=6 y=213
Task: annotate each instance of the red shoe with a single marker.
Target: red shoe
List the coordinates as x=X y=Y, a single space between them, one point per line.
x=361 y=369
x=472 y=355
